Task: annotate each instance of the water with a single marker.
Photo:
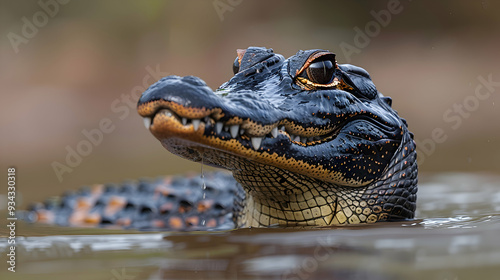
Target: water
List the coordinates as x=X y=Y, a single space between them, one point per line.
x=456 y=236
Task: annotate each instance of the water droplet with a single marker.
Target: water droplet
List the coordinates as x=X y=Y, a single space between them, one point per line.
x=203 y=186
x=202 y=174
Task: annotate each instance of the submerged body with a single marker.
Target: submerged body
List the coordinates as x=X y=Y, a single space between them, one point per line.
x=308 y=142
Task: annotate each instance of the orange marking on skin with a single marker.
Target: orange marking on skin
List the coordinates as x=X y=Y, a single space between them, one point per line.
x=204 y=205
x=82 y=203
x=158 y=223
x=164 y=190
x=116 y=203
x=124 y=222
x=211 y=223
x=93 y=218
x=78 y=216
x=192 y=221
x=299 y=130
x=185 y=209
x=166 y=207
x=175 y=222
x=148 y=109
x=44 y=216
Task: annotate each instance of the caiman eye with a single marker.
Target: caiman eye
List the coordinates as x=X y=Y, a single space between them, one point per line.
x=321 y=72
x=236 y=66
x=318 y=71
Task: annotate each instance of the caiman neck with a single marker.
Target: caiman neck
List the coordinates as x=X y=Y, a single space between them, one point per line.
x=279 y=197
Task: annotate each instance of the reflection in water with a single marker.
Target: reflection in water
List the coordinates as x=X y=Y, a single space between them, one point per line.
x=456 y=238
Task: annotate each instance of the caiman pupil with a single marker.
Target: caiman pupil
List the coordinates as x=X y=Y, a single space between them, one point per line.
x=306 y=141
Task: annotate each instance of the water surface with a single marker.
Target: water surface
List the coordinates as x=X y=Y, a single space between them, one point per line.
x=456 y=236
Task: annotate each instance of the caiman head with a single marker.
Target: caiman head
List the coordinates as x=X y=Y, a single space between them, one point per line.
x=312 y=142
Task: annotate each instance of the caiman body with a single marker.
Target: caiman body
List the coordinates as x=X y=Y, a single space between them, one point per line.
x=309 y=142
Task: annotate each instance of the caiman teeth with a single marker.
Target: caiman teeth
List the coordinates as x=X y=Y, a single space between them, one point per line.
x=234 y=130
x=301 y=139
x=218 y=127
x=274 y=132
x=256 y=141
x=147 y=122
x=196 y=123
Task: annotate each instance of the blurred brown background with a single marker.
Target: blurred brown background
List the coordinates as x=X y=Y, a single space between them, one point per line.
x=66 y=66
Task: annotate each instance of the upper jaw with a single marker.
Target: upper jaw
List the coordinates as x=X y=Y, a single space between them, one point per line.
x=189 y=106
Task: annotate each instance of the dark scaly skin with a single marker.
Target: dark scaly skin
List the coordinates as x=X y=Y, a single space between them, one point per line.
x=170 y=203
x=306 y=148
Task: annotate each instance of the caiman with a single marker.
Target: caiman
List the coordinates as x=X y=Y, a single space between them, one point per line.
x=309 y=142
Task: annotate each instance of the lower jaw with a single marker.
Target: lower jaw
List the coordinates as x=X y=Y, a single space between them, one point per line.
x=173 y=135
x=269 y=201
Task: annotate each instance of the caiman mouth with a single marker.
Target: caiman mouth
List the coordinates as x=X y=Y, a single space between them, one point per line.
x=248 y=132
x=193 y=132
